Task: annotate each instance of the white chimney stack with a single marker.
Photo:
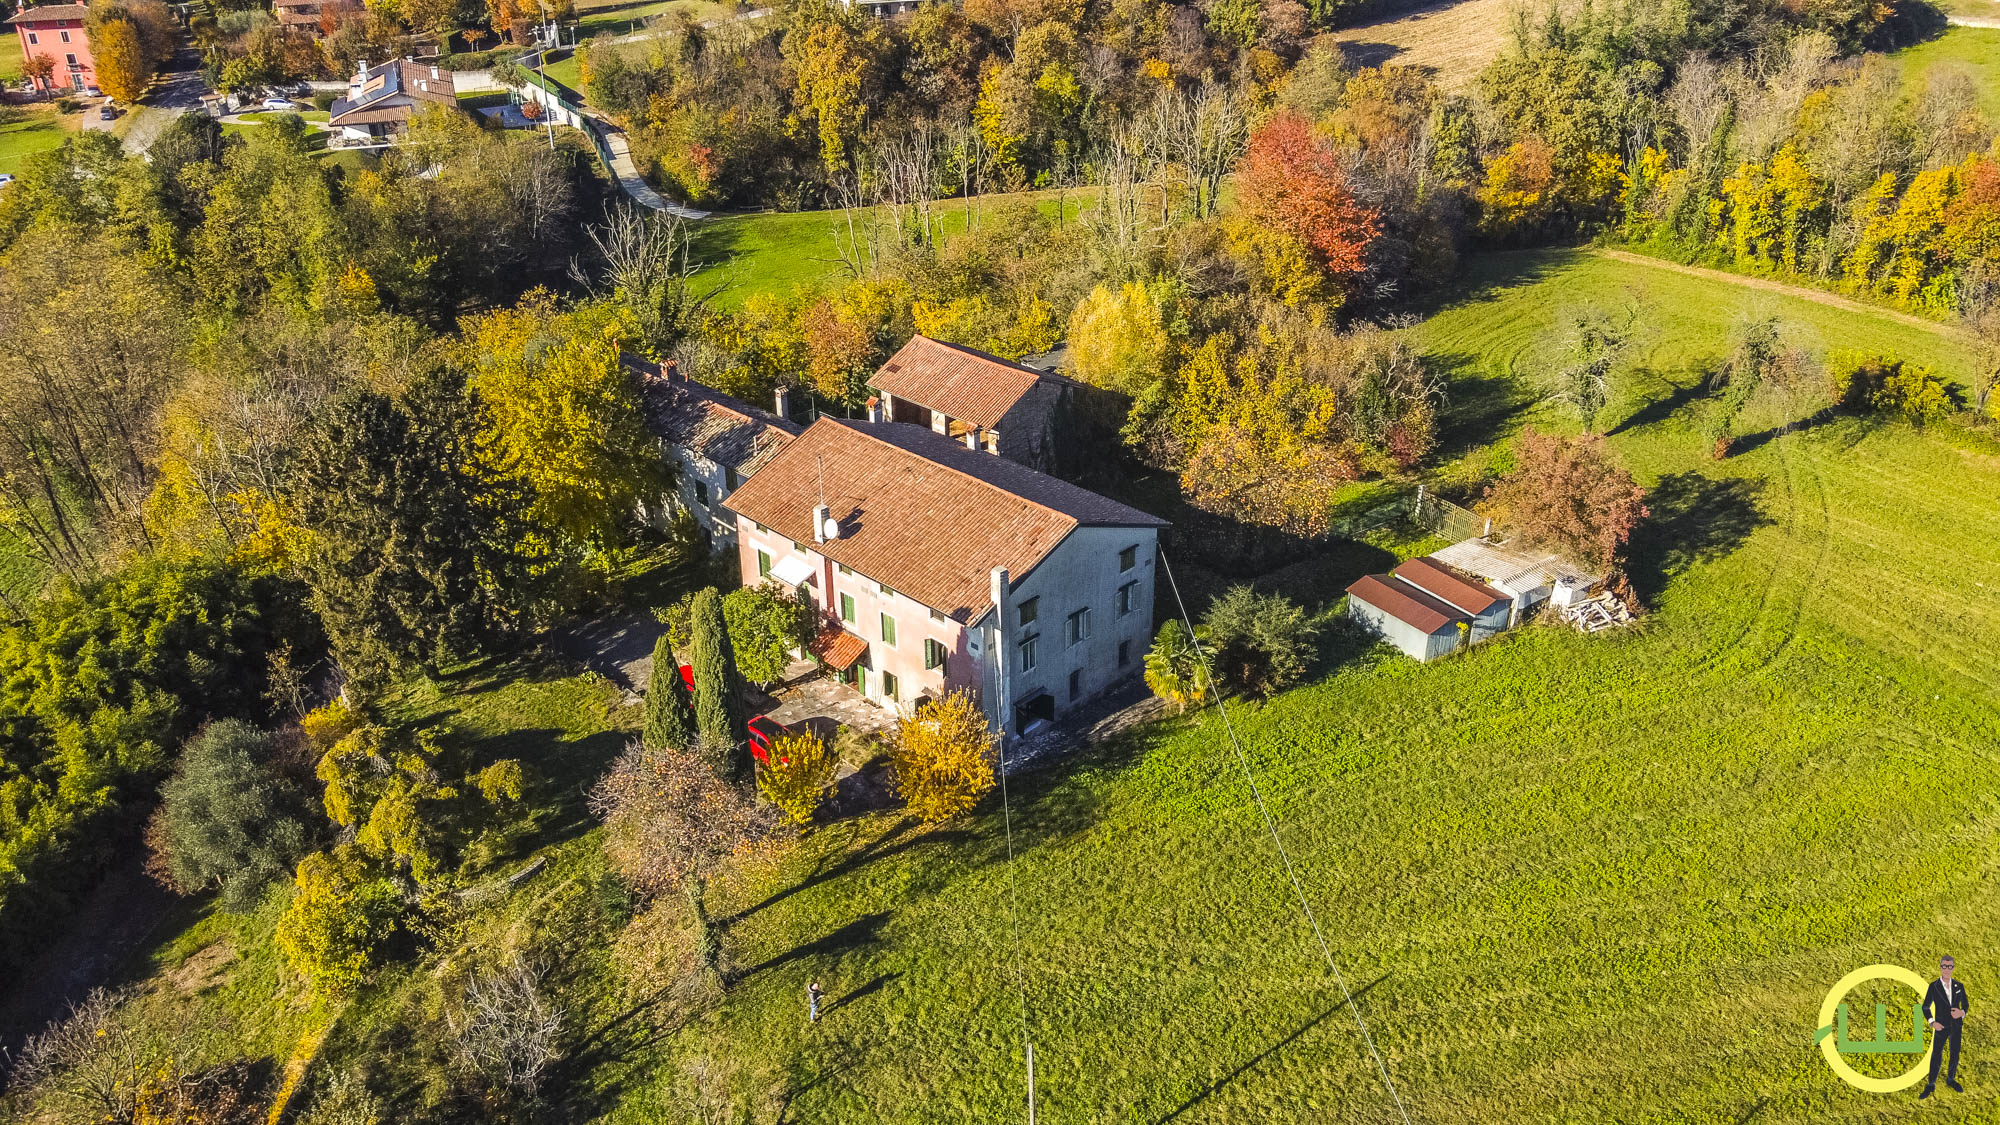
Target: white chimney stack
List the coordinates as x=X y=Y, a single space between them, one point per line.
x=874 y=410
x=822 y=522
x=783 y=402
x=972 y=440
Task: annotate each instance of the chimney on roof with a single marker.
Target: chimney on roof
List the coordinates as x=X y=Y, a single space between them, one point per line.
x=822 y=522
x=874 y=410
x=782 y=400
x=671 y=372
x=972 y=439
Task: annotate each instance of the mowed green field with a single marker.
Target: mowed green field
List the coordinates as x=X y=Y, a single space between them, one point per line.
x=1974 y=49
x=39 y=131
x=1570 y=878
x=737 y=256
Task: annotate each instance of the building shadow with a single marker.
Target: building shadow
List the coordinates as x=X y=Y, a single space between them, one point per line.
x=1693 y=518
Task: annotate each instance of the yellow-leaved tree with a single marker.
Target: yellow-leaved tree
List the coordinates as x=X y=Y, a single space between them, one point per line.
x=942 y=761
x=565 y=415
x=1118 y=338
x=797 y=776
x=122 y=70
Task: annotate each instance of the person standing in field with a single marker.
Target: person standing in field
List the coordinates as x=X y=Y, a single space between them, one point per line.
x=1945 y=1005
x=813 y=994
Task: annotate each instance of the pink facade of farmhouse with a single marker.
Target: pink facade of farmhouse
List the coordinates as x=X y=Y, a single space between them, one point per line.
x=937 y=567
x=55 y=32
x=912 y=624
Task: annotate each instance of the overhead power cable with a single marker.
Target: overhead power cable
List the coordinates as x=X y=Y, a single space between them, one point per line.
x=1284 y=856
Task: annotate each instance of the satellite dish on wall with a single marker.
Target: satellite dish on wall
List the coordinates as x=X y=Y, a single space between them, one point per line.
x=831 y=528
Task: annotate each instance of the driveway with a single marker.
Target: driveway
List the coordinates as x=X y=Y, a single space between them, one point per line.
x=177 y=90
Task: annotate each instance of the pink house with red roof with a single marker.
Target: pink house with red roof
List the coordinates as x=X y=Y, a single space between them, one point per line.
x=55 y=32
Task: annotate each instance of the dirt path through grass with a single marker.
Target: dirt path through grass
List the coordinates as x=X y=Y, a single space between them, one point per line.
x=1802 y=292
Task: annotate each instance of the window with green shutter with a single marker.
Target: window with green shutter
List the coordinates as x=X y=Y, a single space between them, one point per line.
x=847 y=608
x=888 y=630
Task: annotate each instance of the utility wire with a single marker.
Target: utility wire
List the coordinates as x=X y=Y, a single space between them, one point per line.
x=1014 y=910
x=1271 y=826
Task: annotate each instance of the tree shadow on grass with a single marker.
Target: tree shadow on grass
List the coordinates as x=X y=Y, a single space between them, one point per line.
x=1478 y=407
x=1659 y=409
x=863 y=933
x=1693 y=519
x=1249 y=1064
x=891 y=842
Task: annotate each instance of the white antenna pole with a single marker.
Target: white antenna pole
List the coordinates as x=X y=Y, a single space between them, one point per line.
x=821 y=462
x=1031 y=1082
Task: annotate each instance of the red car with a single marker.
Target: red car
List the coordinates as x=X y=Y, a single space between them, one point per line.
x=764 y=729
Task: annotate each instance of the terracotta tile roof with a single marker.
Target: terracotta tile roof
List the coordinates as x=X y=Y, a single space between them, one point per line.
x=1405 y=603
x=960 y=381
x=728 y=432
x=1451 y=586
x=45 y=13
x=920 y=512
x=837 y=648
x=387 y=82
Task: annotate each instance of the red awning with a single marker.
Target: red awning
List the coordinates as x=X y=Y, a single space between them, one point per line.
x=837 y=648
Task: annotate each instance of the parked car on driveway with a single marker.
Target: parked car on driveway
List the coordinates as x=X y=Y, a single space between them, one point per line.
x=106 y=113
x=280 y=103
x=92 y=92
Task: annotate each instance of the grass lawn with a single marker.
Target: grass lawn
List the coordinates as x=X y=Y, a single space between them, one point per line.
x=41 y=130
x=1976 y=49
x=623 y=17
x=1454 y=40
x=1571 y=878
x=779 y=251
x=567 y=70
x=11 y=59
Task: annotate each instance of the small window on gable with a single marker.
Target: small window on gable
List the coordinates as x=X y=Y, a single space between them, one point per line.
x=936 y=616
x=1028 y=609
x=1128 y=558
x=844 y=568
x=884 y=588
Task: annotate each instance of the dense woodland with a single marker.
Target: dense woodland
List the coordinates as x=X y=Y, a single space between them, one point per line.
x=281 y=429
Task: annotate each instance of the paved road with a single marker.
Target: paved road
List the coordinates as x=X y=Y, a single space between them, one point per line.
x=178 y=89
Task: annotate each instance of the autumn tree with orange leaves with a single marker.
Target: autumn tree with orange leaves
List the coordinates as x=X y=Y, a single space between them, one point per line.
x=1294 y=180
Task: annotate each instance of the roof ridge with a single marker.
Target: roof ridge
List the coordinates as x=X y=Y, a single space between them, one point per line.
x=862 y=429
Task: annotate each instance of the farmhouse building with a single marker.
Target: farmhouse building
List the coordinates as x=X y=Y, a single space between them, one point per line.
x=55 y=32
x=381 y=99
x=300 y=14
x=716 y=442
x=1039 y=419
x=938 y=567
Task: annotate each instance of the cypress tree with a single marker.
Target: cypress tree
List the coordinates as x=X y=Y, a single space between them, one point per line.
x=669 y=709
x=717 y=713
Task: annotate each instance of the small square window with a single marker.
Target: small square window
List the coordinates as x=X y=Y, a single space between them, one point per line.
x=761 y=529
x=936 y=616
x=763 y=564
x=1028 y=609
x=886 y=592
x=1128 y=558
x=888 y=685
x=1125 y=595
x=1028 y=652
x=1076 y=627
x=845 y=569
x=847 y=608
x=888 y=630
